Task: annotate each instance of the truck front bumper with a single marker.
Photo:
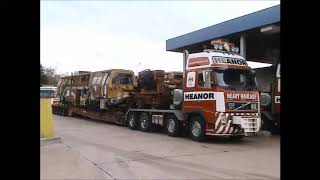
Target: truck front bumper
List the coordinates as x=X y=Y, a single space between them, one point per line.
x=230 y=124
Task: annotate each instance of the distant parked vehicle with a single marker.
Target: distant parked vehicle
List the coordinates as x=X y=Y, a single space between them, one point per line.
x=49 y=92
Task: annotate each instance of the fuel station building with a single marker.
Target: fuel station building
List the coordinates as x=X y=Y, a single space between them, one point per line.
x=257 y=34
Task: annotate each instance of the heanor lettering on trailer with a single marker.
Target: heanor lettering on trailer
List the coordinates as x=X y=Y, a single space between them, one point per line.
x=241 y=96
x=227 y=60
x=199 y=96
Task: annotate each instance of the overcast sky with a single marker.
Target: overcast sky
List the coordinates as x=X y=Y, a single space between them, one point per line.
x=98 y=35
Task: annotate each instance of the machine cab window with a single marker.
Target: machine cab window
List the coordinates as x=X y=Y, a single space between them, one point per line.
x=122 y=79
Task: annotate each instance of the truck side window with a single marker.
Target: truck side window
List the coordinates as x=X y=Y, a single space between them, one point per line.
x=201 y=81
x=191 y=76
x=209 y=82
x=204 y=79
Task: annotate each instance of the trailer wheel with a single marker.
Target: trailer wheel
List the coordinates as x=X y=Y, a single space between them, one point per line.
x=70 y=113
x=197 y=128
x=64 y=112
x=173 y=125
x=55 y=111
x=133 y=122
x=145 y=122
x=59 y=111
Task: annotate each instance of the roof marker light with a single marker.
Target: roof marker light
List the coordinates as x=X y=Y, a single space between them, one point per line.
x=226 y=46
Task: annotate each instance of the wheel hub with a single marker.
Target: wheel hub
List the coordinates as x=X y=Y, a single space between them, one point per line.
x=196 y=129
x=171 y=125
x=143 y=123
x=131 y=121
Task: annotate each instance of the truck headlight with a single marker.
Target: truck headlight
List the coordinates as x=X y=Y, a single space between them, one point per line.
x=253 y=106
x=231 y=105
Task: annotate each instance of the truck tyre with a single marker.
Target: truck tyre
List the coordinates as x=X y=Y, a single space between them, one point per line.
x=145 y=122
x=133 y=122
x=197 y=128
x=275 y=129
x=70 y=113
x=237 y=138
x=173 y=125
x=64 y=112
x=266 y=123
x=60 y=111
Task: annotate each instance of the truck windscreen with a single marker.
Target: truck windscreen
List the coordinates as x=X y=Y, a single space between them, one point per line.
x=235 y=79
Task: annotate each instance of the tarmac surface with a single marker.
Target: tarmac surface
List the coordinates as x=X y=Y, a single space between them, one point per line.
x=99 y=150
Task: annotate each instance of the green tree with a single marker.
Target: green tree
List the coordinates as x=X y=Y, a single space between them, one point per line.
x=48 y=76
x=43 y=76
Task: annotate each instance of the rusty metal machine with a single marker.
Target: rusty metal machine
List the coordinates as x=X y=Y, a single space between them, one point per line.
x=98 y=91
x=174 y=79
x=114 y=91
x=154 y=89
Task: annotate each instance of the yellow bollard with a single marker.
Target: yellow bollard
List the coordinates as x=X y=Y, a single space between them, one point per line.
x=46 y=119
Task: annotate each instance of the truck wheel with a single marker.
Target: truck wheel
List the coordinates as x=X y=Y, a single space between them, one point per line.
x=133 y=122
x=173 y=125
x=197 y=128
x=237 y=138
x=60 y=112
x=145 y=122
x=64 y=112
x=266 y=124
x=275 y=129
x=70 y=113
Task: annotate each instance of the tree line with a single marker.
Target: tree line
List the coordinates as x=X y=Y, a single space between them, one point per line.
x=49 y=76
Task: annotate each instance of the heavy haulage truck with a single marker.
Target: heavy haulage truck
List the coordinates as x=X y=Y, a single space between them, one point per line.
x=270 y=104
x=215 y=95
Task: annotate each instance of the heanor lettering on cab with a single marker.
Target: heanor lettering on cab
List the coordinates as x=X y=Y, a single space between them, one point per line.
x=226 y=60
x=199 y=96
x=241 y=96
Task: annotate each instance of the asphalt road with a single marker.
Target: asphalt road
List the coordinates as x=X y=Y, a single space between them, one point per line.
x=99 y=150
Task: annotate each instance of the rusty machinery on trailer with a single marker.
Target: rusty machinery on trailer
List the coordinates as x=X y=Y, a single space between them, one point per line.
x=108 y=94
x=99 y=91
x=154 y=89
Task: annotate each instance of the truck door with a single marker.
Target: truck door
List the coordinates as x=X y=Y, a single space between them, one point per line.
x=199 y=101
